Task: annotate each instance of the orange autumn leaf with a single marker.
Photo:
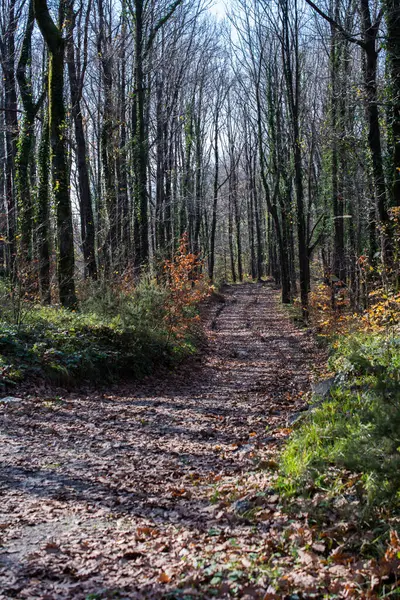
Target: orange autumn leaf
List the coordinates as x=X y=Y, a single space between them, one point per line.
x=143 y=531
x=178 y=492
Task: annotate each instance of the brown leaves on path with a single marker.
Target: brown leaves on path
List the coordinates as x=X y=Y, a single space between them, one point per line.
x=165 y=489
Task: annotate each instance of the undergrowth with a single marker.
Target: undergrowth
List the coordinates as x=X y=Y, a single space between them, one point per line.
x=356 y=428
x=121 y=329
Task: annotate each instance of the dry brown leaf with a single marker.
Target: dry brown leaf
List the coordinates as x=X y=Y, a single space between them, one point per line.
x=164 y=577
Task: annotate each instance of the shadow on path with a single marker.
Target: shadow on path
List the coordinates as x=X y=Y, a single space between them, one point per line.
x=127 y=494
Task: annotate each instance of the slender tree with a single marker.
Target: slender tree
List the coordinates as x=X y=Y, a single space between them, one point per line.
x=60 y=171
x=76 y=82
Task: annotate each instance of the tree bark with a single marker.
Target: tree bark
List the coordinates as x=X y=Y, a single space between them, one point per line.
x=25 y=143
x=211 y=263
x=292 y=75
x=140 y=145
x=43 y=203
x=339 y=267
x=392 y=12
x=60 y=173
x=7 y=56
x=85 y=196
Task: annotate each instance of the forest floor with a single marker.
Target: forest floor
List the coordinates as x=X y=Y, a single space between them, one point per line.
x=165 y=488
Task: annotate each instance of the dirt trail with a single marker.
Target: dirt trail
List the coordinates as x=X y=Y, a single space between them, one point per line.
x=161 y=489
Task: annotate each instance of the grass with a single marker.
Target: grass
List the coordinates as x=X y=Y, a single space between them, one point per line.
x=356 y=429
x=112 y=335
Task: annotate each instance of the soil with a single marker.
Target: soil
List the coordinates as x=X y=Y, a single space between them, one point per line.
x=165 y=488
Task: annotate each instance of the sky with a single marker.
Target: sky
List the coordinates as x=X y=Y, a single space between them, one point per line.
x=218 y=8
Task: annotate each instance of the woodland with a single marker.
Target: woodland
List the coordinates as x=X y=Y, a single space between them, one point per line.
x=199 y=299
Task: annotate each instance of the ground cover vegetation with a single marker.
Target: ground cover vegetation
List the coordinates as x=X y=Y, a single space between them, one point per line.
x=151 y=151
x=120 y=330
x=354 y=420
x=345 y=449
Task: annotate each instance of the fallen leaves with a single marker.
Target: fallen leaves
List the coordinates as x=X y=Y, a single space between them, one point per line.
x=142 y=532
x=168 y=488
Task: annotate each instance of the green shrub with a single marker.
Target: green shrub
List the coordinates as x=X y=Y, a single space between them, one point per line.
x=358 y=427
x=114 y=334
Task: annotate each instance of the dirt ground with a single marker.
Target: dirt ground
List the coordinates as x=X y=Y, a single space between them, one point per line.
x=165 y=489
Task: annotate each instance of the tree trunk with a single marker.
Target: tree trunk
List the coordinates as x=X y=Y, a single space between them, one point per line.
x=85 y=197
x=11 y=122
x=339 y=267
x=25 y=144
x=60 y=173
x=258 y=221
x=230 y=237
x=392 y=10
x=140 y=145
x=43 y=203
x=108 y=146
x=292 y=75
x=211 y=263
x=122 y=163
x=370 y=32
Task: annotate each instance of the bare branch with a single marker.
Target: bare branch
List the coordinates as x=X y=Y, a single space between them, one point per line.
x=336 y=25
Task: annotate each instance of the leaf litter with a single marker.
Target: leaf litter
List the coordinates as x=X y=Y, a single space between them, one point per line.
x=165 y=488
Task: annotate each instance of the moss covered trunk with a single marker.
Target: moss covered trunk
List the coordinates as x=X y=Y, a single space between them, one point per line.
x=26 y=143
x=43 y=225
x=60 y=178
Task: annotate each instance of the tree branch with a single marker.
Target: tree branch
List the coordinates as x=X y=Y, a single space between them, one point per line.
x=160 y=23
x=48 y=28
x=336 y=25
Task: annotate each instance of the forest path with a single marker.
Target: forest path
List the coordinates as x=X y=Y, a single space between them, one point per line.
x=163 y=488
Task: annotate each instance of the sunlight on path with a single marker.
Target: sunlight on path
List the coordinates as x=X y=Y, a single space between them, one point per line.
x=155 y=486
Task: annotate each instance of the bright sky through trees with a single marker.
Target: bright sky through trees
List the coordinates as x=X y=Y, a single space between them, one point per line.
x=218 y=8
